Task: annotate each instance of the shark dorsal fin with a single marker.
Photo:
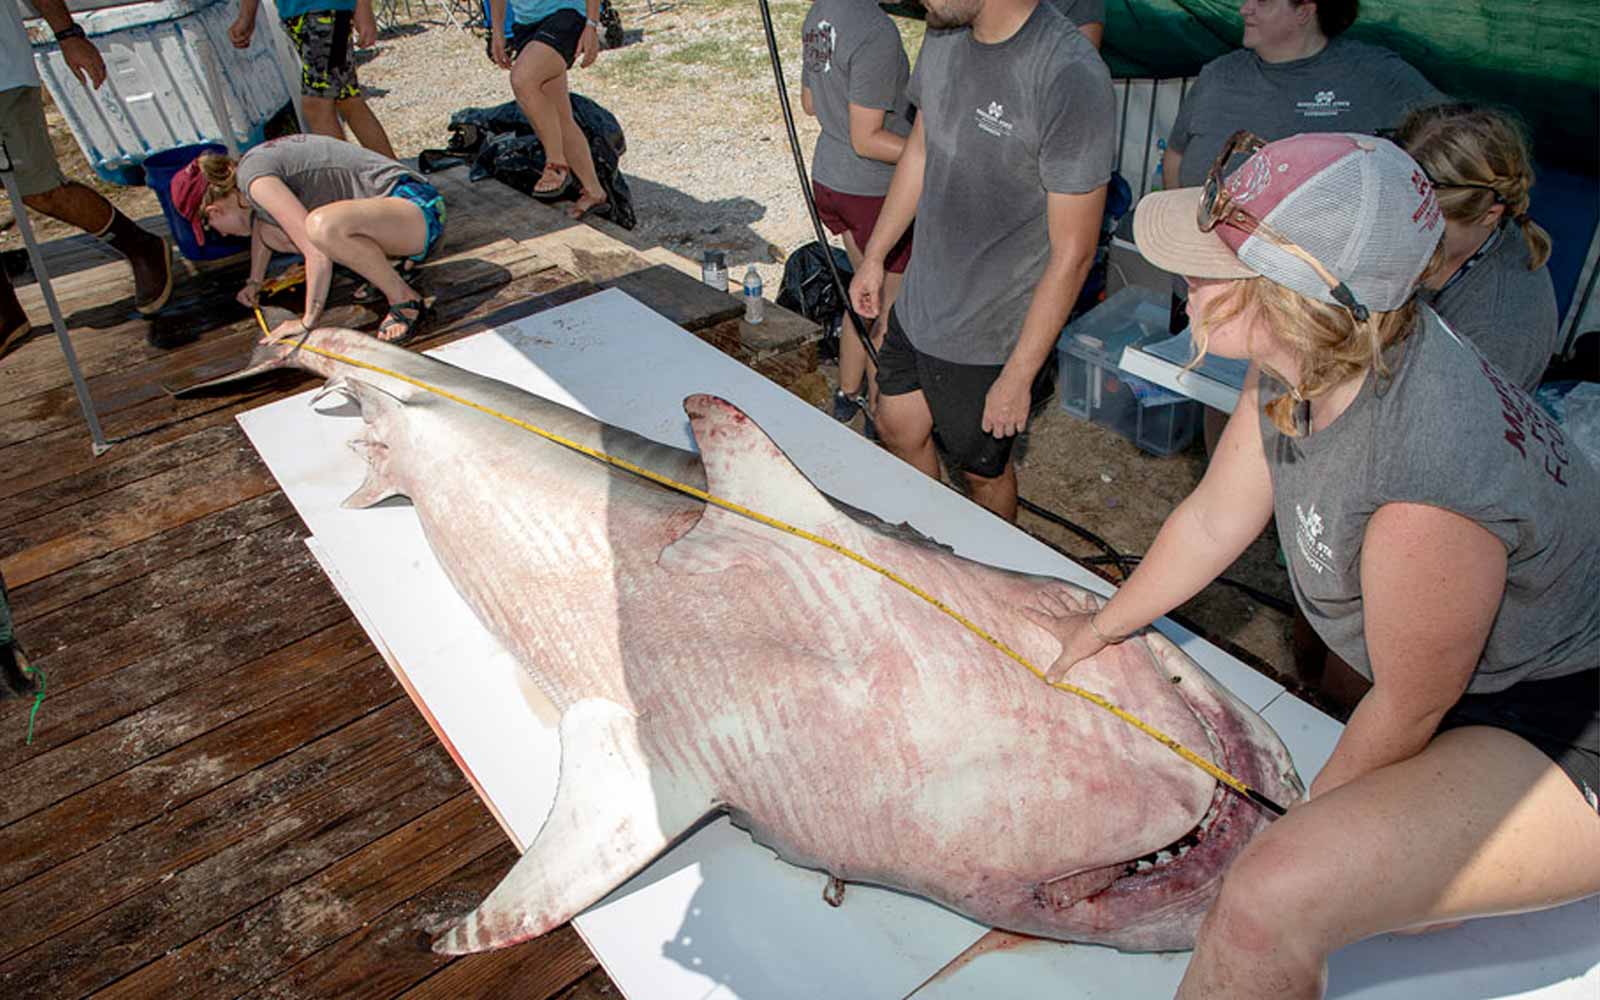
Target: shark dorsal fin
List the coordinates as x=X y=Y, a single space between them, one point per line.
x=744 y=466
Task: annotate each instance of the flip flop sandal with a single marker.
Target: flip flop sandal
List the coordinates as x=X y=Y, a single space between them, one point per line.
x=409 y=327
x=556 y=194
x=367 y=292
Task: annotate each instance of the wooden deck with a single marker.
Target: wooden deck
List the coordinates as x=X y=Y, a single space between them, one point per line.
x=228 y=793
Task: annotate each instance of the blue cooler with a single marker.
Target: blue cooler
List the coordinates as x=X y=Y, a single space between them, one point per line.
x=159 y=169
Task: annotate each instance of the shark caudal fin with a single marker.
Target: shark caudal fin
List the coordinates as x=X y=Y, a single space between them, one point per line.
x=745 y=467
x=612 y=816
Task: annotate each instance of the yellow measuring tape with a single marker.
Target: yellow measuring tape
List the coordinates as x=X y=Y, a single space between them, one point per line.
x=699 y=494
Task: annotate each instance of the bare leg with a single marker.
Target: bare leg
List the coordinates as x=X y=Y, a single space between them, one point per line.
x=998 y=494
x=576 y=145
x=74 y=204
x=905 y=426
x=364 y=125
x=363 y=233
x=536 y=65
x=1480 y=823
x=322 y=116
x=852 y=356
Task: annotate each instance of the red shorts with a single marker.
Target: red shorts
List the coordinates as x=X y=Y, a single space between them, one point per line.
x=856 y=214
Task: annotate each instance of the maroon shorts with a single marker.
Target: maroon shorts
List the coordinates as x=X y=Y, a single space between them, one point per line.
x=856 y=214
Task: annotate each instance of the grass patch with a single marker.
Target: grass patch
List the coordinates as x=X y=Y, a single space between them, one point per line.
x=724 y=54
x=630 y=67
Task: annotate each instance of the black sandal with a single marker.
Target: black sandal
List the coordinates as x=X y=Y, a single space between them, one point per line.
x=367 y=292
x=408 y=325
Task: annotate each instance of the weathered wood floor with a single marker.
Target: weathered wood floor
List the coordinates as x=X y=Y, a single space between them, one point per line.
x=227 y=793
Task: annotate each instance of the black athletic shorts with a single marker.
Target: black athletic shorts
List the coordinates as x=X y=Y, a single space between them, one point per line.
x=1561 y=717
x=561 y=31
x=956 y=395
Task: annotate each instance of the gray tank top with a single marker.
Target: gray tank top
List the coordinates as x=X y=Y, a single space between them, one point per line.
x=1446 y=429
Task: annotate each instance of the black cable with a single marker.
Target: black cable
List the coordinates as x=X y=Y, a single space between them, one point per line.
x=805 y=182
x=1111 y=554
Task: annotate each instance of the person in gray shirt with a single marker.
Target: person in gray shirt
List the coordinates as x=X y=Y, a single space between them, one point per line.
x=854 y=82
x=1294 y=73
x=1088 y=15
x=1438 y=536
x=1492 y=285
x=332 y=202
x=1005 y=172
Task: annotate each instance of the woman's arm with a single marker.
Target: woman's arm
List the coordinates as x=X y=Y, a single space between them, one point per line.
x=869 y=138
x=899 y=208
x=1199 y=539
x=274 y=196
x=806 y=103
x=1431 y=584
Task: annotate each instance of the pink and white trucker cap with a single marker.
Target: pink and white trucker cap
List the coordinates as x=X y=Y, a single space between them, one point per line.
x=1358 y=204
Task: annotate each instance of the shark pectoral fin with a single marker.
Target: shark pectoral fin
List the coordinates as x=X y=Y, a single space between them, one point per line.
x=612 y=816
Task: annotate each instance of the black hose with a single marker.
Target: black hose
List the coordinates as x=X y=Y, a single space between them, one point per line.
x=805 y=181
x=1112 y=556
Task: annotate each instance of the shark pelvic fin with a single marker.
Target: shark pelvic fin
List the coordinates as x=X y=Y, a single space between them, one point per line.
x=745 y=467
x=613 y=815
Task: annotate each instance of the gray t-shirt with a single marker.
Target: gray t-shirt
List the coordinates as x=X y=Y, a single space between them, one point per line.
x=1507 y=311
x=1082 y=11
x=1005 y=124
x=1347 y=87
x=319 y=170
x=1449 y=430
x=853 y=55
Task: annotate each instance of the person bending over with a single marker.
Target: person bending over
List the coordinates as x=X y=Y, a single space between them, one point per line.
x=330 y=201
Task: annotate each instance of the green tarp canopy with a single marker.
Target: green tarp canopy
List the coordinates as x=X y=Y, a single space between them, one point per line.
x=1541 y=58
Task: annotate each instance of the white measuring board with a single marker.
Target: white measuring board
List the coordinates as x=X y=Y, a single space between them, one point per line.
x=717 y=916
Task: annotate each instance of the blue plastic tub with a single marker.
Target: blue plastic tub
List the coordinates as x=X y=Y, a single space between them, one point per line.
x=159 y=169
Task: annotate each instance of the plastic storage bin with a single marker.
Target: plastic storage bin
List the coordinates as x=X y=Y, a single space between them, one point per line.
x=156 y=95
x=1091 y=386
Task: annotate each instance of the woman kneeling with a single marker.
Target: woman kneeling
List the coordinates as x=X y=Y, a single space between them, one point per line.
x=328 y=200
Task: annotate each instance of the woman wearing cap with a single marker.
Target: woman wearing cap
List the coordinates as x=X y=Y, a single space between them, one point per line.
x=1492 y=286
x=328 y=200
x=1438 y=539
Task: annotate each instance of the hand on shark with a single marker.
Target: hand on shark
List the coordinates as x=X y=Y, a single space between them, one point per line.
x=1067 y=618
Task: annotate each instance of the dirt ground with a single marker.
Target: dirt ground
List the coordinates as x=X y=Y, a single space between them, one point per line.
x=709 y=166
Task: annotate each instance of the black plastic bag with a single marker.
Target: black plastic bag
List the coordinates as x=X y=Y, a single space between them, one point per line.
x=498 y=142
x=808 y=288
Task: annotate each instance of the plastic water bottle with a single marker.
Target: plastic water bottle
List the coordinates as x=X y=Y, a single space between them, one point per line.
x=755 y=307
x=714 y=269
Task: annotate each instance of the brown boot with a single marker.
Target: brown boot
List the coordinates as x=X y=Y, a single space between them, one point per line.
x=13 y=321
x=149 y=257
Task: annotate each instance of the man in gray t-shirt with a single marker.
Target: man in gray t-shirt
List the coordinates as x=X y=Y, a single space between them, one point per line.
x=1005 y=173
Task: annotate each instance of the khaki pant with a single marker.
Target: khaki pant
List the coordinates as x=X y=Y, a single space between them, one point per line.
x=33 y=158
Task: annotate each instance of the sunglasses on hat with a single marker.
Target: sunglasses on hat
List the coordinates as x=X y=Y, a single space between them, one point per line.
x=1218 y=208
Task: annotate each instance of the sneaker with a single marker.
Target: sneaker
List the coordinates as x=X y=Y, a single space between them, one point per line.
x=846 y=407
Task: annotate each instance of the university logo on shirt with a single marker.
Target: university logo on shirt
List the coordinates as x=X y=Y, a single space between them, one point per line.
x=993 y=120
x=818 y=45
x=1307 y=535
x=1323 y=104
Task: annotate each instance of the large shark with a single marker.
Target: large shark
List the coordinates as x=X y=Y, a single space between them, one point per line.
x=703 y=661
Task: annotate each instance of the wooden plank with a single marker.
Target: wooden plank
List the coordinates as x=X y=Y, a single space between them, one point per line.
x=34 y=845
x=391 y=952
x=52 y=777
x=99 y=525
x=164 y=884
x=94 y=576
x=271 y=936
x=680 y=298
